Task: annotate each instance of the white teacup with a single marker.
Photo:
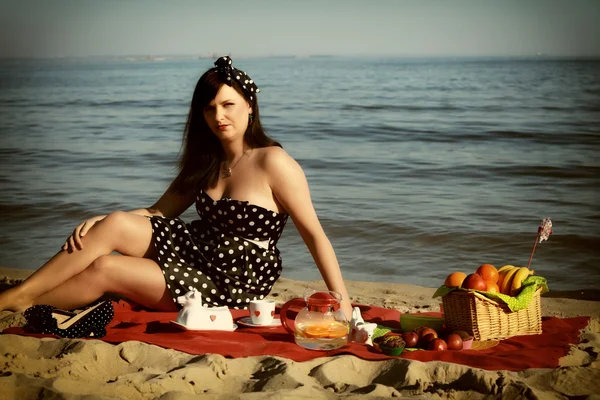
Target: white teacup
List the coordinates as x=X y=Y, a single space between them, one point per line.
x=262 y=311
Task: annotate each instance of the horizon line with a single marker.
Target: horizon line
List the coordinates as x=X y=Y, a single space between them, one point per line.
x=214 y=55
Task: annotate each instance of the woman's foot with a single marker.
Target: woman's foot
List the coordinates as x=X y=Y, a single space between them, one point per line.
x=13 y=300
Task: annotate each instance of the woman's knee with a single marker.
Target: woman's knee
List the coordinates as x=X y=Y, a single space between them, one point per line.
x=100 y=269
x=116 y=220
x=102 y=265
x=130 y=234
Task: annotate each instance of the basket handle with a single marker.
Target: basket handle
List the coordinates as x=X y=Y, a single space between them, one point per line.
x=482 y=297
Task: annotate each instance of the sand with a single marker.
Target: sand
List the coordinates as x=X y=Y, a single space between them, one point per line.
x=32 y=368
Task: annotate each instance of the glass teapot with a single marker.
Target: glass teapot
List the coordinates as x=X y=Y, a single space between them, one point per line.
x=321 y=325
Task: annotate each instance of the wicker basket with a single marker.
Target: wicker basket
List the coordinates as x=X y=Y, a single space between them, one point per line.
x=486 y=319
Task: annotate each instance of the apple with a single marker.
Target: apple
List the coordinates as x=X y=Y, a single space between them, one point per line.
x=428 y=338
x=424 y=330
x=454 y=342
x=475 y=282
x=437 y=345
x=411 y=339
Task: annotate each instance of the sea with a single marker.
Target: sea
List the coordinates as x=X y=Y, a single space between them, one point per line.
x=417 y=167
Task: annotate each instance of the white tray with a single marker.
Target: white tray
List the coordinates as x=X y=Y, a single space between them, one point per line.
x=185 y=328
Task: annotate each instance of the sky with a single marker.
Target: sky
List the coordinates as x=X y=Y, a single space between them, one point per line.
x=255 y=28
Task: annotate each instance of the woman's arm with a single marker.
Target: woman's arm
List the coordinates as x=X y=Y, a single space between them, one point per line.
x=290 y=188
x=171 y=204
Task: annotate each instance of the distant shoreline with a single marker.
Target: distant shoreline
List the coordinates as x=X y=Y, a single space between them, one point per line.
x=193 y=57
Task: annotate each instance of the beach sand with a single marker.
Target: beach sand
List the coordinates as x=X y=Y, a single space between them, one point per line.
x=32 y=368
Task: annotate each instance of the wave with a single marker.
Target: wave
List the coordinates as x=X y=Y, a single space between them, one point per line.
x=471 y=106
x=541 y=136
x=587 y=107
x=520 y=173
x=42 y=210
x=141 y=104
x=547 y=171
x=405 y=107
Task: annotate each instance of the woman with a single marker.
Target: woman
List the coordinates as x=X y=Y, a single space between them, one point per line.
x=244 y=186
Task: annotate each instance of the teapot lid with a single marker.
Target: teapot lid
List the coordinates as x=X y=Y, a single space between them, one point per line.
x=324 y=299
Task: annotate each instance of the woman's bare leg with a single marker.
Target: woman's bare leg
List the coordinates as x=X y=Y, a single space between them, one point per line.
x=138 y=279
x=126 y=233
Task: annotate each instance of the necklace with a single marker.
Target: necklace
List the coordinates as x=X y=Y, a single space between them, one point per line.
x=227 y=170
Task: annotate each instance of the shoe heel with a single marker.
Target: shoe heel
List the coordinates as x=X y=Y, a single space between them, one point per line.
x=61 y=316
x=94 y=319
x=80 y=317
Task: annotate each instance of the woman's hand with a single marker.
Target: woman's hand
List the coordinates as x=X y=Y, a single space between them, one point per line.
x=74 y=241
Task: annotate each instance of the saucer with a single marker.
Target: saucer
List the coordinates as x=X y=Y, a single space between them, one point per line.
x=185 y=328
x=247 y=322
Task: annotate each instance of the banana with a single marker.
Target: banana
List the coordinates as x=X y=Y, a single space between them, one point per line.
x=505 y=268
x=502 y=273
x=500 y=278
x=507 y=281
x=517 y=281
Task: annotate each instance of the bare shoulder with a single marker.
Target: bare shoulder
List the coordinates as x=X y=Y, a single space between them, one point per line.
x=274 y=159
x=272 y=154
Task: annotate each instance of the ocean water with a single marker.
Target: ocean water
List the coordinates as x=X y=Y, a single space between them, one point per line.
x=417 y=167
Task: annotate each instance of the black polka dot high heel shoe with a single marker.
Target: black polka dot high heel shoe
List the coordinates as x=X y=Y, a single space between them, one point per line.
x=88 y=323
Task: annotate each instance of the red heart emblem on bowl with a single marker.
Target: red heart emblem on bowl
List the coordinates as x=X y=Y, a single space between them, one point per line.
x=257 y=313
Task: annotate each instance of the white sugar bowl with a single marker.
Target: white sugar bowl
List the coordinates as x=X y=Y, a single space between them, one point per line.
x=193 y=316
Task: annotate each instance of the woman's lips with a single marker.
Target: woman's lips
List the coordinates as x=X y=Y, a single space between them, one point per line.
x=222 y=127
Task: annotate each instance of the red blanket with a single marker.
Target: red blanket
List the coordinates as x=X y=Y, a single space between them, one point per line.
x=515 y=354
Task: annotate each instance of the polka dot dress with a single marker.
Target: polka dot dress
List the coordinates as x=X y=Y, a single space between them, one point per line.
x=229 y=254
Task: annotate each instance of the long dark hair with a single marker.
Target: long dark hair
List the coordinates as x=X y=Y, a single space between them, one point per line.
x=202 y=154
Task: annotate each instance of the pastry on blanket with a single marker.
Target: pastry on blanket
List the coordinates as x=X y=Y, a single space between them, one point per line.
x=392 y=345
x=393 y=341
x=380 y=339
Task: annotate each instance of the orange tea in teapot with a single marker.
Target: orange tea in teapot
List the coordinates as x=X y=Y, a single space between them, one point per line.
x=327 y=336
x=321 y=325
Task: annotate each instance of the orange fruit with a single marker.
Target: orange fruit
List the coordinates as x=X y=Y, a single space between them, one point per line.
x=455 y=279
x=330 y=331
x=488 y=272
x=337 y=330
x=315 y=331
x=492 y=287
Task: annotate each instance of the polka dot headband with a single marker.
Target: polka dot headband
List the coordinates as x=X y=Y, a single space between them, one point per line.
x=229 y=73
